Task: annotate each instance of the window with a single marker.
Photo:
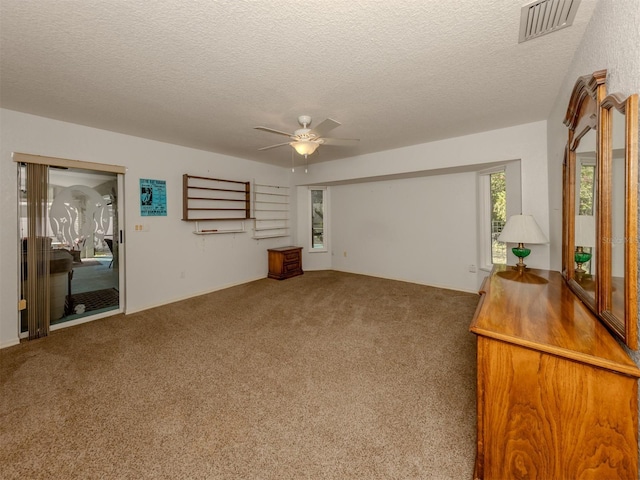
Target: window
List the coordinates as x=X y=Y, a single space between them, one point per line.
x=498 y=189
x=587 y=189
x=499 y=198
x=586 y=197
x=318 y=202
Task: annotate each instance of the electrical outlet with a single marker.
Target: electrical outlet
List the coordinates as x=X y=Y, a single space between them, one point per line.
x=472 y=268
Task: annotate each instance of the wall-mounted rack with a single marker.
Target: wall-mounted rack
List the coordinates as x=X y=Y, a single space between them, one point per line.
x=205 y=198
x=270 y=211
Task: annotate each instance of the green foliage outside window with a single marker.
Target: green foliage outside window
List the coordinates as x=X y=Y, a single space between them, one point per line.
x=587 y=178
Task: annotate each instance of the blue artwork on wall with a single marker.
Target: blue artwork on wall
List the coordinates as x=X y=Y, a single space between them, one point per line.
x=153 y=198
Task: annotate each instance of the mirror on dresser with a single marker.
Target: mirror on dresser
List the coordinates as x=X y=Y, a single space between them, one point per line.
x=619 y=307
x=584 y=227
x=600 y=204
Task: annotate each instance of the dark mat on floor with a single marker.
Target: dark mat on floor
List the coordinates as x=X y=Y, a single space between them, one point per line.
x=87 y=263
x=96 y=300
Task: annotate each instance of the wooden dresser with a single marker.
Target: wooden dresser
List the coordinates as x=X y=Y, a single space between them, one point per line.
x=557 y=395
x=285 y=262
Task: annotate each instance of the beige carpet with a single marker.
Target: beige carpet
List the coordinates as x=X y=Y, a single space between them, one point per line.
x=324 y=376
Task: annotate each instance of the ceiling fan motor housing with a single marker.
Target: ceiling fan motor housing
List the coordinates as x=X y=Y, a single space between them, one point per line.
x=304 y=120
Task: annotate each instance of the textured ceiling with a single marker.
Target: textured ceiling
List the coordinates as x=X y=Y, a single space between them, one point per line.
x=203 y=73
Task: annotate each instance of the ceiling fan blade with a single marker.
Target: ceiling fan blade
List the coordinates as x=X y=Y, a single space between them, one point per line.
x=271 y=130
x=340 y=141
x=324 y=127
x=273 y=146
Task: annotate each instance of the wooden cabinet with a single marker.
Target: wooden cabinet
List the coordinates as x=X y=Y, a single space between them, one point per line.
x=285 y=262
x=557 y=395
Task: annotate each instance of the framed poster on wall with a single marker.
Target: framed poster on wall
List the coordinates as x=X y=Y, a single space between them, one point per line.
x=153 y=198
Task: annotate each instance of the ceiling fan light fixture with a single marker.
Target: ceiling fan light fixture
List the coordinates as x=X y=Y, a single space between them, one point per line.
x=305 y=147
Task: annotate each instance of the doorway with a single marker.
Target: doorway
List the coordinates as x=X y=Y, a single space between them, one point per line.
x=80 y=238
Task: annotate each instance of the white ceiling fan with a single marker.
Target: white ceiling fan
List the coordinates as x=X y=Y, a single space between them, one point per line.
x=306 y=140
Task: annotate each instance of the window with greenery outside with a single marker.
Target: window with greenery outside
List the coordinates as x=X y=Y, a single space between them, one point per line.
x=498 y=183
x=587 y=193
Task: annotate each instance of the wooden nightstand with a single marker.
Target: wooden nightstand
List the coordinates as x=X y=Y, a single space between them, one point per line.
x=285 y=262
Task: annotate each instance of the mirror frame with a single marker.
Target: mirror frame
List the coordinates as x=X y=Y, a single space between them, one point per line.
x=590 y=108
x=583 y=115
x=625 y=327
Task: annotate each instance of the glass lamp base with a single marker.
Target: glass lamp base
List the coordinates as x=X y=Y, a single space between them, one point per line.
x=521 y=252
x=581 y=258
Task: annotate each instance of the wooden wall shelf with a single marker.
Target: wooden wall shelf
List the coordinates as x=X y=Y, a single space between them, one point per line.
x=205 y=198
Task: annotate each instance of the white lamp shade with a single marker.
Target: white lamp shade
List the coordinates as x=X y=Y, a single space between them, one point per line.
x=585 y=231
x=522 y=229
x=304 y=147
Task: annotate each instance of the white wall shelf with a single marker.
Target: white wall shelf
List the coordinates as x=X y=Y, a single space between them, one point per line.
x=270 y=211
x=210 y=230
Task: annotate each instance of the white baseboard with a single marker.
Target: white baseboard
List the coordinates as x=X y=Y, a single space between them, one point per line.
x=434 y=285
x=10 y=343
x=187 y=297
x=16 y=341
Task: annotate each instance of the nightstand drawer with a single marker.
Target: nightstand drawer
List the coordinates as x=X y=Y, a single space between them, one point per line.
x=292 y=256
x=290 y=267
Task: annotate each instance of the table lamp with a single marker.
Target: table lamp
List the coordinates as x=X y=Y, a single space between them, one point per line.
x=522 y=229
x=584 y=236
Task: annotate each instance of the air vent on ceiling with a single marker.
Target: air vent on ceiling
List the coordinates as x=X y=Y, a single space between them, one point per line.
x=545 y=16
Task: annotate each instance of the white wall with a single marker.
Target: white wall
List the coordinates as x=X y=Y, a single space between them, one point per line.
x=612 y=42
x=157 y=259
x=419 y=230
x=405 y=209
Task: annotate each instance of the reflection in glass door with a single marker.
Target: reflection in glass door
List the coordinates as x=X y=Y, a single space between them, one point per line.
x=82 y=241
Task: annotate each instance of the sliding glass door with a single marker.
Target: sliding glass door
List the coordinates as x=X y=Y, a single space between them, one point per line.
x=77 y=247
